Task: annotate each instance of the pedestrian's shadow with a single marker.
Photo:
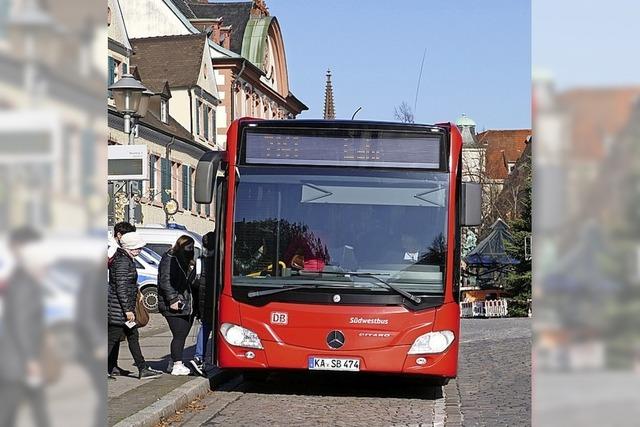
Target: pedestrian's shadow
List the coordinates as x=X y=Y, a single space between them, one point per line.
x=163 y=363
x=343 y=384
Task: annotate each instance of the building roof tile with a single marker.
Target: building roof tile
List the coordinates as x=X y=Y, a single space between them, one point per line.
x=184 y=7
x=236 y=14
x=502 y=147
x=176 y=59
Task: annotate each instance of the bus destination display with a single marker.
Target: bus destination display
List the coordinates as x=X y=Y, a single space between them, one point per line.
x=400 y=151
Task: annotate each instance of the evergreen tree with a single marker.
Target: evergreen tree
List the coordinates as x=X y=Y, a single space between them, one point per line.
x=518 y=281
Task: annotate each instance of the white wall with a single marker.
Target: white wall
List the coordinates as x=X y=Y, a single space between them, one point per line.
x=179 y=107
x=155 y=215
x=472 y=164
x=209 y=83
x=149 y=18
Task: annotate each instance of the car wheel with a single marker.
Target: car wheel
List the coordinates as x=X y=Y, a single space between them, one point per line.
x=150 y=298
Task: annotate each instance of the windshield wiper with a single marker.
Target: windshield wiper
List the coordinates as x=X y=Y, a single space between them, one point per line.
x=289 y=288
x=385 y=284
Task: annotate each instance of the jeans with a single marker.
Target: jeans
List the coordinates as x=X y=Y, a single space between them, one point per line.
x=203 y=338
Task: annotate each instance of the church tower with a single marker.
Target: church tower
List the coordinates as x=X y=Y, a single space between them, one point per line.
x=467 y=127
x=329 y=107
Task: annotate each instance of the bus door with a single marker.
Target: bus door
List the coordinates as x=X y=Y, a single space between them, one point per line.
x=210 y=187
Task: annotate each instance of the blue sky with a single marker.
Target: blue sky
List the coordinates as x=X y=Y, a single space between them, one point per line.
x=478 y=57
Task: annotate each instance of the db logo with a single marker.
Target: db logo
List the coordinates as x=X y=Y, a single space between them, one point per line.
x=279 y=318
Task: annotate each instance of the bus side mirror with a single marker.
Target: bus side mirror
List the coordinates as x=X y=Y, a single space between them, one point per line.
x=206 y=172
x=471 y=209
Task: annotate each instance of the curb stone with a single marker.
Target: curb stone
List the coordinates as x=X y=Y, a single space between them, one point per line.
x=173 y=401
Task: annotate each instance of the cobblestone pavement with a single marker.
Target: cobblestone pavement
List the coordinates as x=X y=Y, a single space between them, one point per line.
x=296 y=399
x=494 y=374
x=493 y=389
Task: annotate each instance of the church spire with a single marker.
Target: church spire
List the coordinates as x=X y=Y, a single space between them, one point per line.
x=329 y=107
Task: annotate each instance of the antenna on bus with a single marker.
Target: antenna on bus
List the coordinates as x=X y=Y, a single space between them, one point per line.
x=415 y=102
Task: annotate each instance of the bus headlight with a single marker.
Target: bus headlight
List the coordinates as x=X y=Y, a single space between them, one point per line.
x=432 y=342
x=239 y=336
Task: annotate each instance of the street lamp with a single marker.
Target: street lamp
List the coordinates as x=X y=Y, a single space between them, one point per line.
x=132 y=99
x=128 y=94
x=144 y=103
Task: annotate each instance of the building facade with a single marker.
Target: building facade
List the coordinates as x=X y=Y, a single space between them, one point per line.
x=488 y=158
x=207 y=65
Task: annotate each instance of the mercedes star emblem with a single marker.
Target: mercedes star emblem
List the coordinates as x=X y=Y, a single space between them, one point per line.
x=335 y=339
x=336 y=298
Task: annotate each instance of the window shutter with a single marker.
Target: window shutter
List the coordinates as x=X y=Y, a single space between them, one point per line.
x=186 y=187
x=112 y=67
x=198 y=107
x=165 y=181
x=152 y=175
x=205 y=119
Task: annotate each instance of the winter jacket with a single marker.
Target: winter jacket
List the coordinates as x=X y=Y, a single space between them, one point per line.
x=174 y=284
x=123 y=287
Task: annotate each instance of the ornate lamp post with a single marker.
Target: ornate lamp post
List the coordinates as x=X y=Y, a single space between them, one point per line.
x=131 y=99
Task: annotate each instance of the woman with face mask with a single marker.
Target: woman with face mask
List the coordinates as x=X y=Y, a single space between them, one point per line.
x=123 y=289
x=175 y=303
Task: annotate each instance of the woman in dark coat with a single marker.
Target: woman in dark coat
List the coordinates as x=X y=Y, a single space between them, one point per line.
x=121 y=303
x=175 y=302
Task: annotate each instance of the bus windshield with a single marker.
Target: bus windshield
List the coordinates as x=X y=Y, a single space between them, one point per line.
x=291 y=221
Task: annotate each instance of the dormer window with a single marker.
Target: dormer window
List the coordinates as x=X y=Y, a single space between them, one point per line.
x=164 y=111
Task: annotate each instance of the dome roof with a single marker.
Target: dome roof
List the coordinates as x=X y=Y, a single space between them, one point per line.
x=465 y=121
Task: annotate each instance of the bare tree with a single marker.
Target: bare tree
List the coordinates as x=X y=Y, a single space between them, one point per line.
x=501 y=198
x=403 y=113
x=474 y=169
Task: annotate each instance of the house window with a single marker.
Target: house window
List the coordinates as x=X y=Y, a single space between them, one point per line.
x=116 y=70
x=164 y=111
x=511 y=166
x=186 y=187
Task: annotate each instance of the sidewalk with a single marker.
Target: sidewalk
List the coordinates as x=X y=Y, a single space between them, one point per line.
x=143 y=402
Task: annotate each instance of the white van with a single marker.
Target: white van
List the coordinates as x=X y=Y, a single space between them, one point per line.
x=160 y=239
x=147 y=264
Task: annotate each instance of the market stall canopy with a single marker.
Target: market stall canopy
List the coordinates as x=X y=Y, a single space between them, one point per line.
x=491 y=252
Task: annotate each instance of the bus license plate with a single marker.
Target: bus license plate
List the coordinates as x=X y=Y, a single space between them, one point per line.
x=333 y=364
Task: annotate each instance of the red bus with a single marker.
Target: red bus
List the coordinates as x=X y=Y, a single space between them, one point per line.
x=338 y=245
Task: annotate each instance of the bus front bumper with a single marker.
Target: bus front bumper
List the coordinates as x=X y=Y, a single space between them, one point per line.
x=383 y=360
